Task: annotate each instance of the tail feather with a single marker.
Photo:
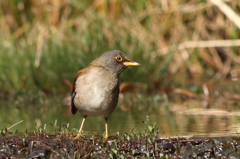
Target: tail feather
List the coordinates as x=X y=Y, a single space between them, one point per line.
x=73 y=108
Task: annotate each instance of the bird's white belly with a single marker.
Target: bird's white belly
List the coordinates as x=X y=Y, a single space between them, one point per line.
x=92 y=100
x=93 y=107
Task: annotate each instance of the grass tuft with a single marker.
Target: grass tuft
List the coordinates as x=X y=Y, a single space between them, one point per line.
x=45 y=42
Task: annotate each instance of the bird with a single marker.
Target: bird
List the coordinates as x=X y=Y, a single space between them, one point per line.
x=96 y=87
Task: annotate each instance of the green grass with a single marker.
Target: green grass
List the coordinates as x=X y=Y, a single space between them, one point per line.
x=43 y=43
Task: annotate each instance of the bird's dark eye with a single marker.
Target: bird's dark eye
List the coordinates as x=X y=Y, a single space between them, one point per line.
x=118 y=58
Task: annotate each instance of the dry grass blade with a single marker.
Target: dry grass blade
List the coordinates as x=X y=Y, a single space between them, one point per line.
x=200 y=44
x=14 y=124
x=187 y=93
x=228 y=12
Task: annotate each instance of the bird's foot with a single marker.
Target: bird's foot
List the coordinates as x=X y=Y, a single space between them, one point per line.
x=105 y=137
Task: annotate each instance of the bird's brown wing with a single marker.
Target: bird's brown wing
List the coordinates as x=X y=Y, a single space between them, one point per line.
x=80 y=73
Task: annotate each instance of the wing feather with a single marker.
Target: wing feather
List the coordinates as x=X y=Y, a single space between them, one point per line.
x=73 y=94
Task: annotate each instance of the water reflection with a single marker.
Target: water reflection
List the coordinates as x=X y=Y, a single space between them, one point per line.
x=173 y=119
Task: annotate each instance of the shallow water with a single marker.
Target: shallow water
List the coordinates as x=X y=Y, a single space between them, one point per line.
x=188 y=118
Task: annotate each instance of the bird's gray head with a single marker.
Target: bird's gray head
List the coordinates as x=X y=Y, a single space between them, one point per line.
x=114 y=61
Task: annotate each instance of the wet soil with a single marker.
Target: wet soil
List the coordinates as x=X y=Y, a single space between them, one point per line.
x=24 y=145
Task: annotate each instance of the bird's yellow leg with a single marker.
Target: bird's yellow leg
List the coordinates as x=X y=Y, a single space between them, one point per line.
x=80 y=129
x=106 y=128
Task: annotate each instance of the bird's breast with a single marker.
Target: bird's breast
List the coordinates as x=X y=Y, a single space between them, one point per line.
x=96 y=94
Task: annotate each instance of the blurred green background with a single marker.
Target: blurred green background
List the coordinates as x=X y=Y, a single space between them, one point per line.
x=44 y=43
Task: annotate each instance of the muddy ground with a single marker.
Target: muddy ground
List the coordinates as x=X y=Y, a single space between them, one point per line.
x=23 y=145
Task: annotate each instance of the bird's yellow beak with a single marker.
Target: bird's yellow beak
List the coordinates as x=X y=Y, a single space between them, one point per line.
x=131 y=63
